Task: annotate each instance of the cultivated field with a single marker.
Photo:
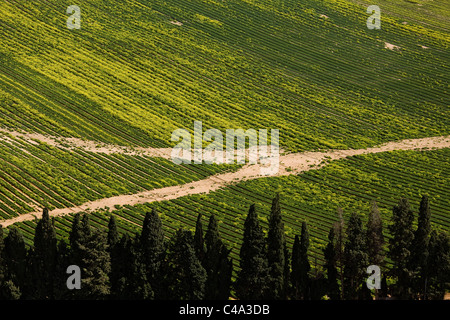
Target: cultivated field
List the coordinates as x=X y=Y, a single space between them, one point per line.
x=86 y=115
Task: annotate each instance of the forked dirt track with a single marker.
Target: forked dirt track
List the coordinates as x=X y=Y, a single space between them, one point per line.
x=293 y=163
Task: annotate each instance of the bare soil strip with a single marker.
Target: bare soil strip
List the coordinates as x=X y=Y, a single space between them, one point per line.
x=293 y=163
x=91 y=146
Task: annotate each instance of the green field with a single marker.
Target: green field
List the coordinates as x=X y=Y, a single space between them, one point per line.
x=129 y=76
x=137 y=70
x=314 y=197
x=41 y=175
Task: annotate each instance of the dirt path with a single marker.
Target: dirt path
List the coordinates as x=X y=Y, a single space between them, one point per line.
x=293 y=163
x=91 y=146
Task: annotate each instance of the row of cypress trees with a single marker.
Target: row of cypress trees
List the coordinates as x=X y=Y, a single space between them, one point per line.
x=418 y=268
x=198 y=266
x=146 y=266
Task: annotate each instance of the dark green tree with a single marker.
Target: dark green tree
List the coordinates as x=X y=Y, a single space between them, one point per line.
x=355 y=258
x=213 y=243
x=251 y=282
x=187 y=277
x=295 y=273
x=141 y=287
x=77 y=244
x=16 y=259
x=287 y=272
x=2 y=265
x=402 y=235
x=95 y=267
x=153 y=250
x=89 y=251
x=317 y=282
x=374 y=236
x=275 y=252
x=43 y=259
x=113 y=233
x=60 y=290
x=120 y=260
x=330 y=255
x=374 y=241
x=128 y=276
x=9 y=291
x=339 y=234
x=225 y=272
x=216 y=264
x=77 y=238
x=419 y=249
x=116 y=255
x=300 y=265
x=438 y=270
x=305 y=267
x=199 y=241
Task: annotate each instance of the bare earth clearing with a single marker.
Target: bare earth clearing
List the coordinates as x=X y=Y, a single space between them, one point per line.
x=293 y=163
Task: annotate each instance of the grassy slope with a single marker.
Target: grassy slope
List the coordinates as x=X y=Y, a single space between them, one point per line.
x=45 y=176
x=130 y=76
x=314 y=197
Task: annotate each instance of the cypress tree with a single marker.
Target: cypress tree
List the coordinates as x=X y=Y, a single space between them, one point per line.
x=438 y=271
x=43 y=259
x=77 y=239
x=113 y=234
x=95 y=267
x=216 y=264
x=340 y=238
x=275 y=252
x=116 y=255
x=402 y=232
x=287 y=272
x=225 y=272
x=153 y=250
x=187 y=277
x=304 y=266
x=60 y=289
x=330 y=255
x=295 y=274
x=211 y=262
x=419 y=248
x=199 y=243
x=75 y=232
x=355 y=258
x=89 y=251
x=128 y=280
x=251 y=283
x=300 y=265
x=212 y=241
x=120 y=261
x=375 y=240
x=16 y=259
x=138 y=280
x=374 y=236
x=2 y=264
x=317 y=283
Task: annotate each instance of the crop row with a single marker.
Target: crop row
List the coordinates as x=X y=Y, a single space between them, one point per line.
x=166 y=81
x=41 y=175
x=313 y=197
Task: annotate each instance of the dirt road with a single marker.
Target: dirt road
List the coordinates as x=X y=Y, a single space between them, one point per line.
x=293 y=163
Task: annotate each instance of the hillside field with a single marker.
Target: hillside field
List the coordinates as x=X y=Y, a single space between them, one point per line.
x=137 y=70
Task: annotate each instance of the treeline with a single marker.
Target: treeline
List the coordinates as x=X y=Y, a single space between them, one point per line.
x=192 y=266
